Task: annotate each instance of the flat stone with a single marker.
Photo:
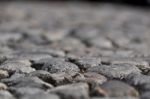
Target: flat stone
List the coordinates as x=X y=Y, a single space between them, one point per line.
x=91 y=78
x=119 y=71
x=68 y=44
x=73 y=91
x=115 y=88
x=55 y=66
x=61 y=78
x=94 y=77
x=87 y=62
x=25 y=91
x=38 y=64
x=12 y=67
x=140 y=63
x=32 y=56
x=31 y=82
x=44 y=75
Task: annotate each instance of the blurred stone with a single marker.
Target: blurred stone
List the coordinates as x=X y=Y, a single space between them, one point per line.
x=74 y=91
x=115 y=89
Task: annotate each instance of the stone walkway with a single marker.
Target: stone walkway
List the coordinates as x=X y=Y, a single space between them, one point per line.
x=74 y=51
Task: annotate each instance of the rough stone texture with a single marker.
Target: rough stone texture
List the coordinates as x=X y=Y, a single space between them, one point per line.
x=16 y=67
x=85 y=62
x=56 y=65
x=119 y=71
x=74 y=51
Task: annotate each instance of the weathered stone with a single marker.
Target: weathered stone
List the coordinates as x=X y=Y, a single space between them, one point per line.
x=140 y=63
x=87 y=62
x=12 y=67
x=91 y=78
x=61 y=78
x=55 y=66
x=115 y=71
x=44 y=75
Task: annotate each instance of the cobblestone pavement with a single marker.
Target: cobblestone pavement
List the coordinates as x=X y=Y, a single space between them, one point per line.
x=74 y=51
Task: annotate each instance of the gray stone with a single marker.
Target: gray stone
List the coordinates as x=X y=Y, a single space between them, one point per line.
x=44 y=75
x=87 y=62
x=115 y=88
x=32 y=56
x=25 y=91
x=6 y=95
x=41 y=96
x=56 y=35
x=73 y=91
x=12 y=67
x=91 y=78
x=55 y=66
x=140 y=63
x=145 y=95
x=101 y=42
x=61 y=78
x=115 y=71
x=142 y=82
x=85 y=32
x=68 y=44
x=32 y=82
